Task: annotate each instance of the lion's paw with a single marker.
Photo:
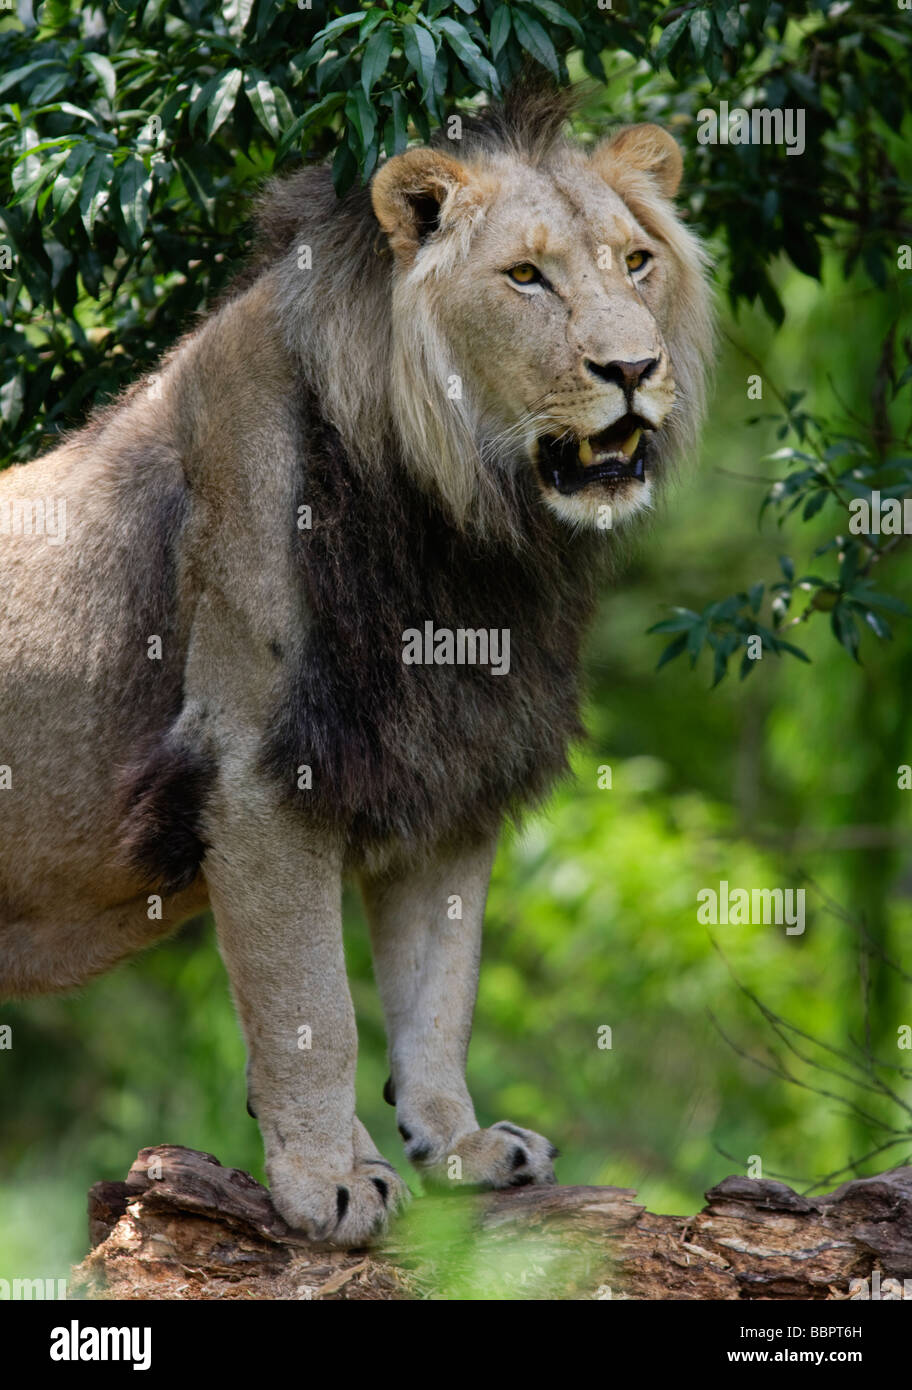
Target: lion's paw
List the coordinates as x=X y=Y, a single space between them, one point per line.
x=348 y=1210
x=502 y=1156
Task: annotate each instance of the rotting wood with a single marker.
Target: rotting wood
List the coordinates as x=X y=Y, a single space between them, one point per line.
x=182 y=1226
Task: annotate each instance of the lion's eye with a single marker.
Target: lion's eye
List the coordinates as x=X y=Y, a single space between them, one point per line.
x=525 y=274
x=637 y=259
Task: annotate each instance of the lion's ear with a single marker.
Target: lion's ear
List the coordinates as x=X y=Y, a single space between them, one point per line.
x=647 y=149
x=411 y=194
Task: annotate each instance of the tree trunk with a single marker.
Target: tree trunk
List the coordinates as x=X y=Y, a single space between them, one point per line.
x=184 y=1227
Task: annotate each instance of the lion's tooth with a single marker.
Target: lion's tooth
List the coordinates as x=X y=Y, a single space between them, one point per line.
x=630 y=444
x=585 y=452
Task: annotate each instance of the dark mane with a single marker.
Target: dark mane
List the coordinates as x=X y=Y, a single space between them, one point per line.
x=528 y=123
x=285 y=204
x=425 y=754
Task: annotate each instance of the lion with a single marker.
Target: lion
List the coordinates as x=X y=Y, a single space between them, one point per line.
x=432 y=406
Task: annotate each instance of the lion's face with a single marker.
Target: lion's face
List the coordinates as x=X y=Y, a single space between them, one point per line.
x=556 y=297
x=557 y=311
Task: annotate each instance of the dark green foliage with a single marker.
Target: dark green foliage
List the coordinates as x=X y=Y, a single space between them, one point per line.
x=835 y=468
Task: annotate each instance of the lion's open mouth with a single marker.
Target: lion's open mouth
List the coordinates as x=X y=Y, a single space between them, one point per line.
x=615 y=456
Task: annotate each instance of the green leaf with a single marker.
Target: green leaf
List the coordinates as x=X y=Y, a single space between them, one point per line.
x=329 y=70
x=592 y=63
x=534 y=39
x=794 y=651
x=715 y=54
x=726 y=609
x=376 y=55
x=558 y=15
x=500 y=28
x=888 y=601
x=344 y=169
x=103 y=69
x=685 y=619
x=28 y=183
x=48 y=88
x=216 y=97
x=787 y=567
x=814 y=503
x=58 y=142
x=284 y=110
x=223 y=99
x=12 y=399
x=373 y=17
x=80 y=111
x=338 y=25
x=69 y=181
x=395 y=134
x=695 y=640
x=237 y=13
x=421 y=122
x=842 y=447
x=755 y=597
x=700 y=30
x=670 y=36
x=421 y=55
x=12 y=79
x=673 y=649
x=673 y=625
x=259 y=92
x=134 y=186
x=362 y=116
x=845 y=629
x=329 y=104
x=481 y=71
x=730 y=25
x=197 y=183
x=96 y=184
x=720 y=666
x=875 y=622
x=330 y=31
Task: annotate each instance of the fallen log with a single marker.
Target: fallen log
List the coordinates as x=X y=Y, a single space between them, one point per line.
x=182 y=1226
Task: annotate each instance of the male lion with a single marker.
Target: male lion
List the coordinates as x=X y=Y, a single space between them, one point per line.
x=421 y=405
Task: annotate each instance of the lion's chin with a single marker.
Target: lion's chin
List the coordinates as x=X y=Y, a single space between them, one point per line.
x=601 y=508
x=597 y=481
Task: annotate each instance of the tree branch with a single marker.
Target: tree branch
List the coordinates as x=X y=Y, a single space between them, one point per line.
x=183 y=1227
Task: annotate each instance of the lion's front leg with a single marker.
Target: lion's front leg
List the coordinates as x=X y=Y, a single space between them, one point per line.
x=276 y=893
x=426 y=936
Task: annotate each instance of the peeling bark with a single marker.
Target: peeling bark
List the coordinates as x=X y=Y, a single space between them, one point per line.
x=184 y=1227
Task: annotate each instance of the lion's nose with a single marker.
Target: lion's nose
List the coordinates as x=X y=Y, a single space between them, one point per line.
x=627 y=375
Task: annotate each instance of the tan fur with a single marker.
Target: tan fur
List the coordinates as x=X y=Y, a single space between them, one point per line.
x=453 y=284
x=181 y=504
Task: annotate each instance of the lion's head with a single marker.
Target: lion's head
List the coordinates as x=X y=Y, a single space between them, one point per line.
x=541 y=309
x=558 y=294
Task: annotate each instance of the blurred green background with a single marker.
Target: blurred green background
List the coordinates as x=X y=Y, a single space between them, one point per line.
x=788 y=779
